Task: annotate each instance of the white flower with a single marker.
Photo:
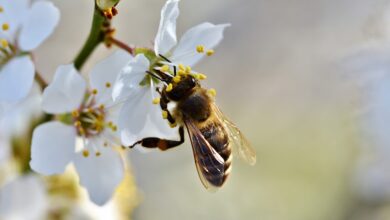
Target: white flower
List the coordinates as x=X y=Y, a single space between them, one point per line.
x=139 y=117
x=89 y=140
x=25 y=25
x=23 y=198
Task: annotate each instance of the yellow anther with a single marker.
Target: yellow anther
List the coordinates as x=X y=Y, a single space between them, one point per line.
x=75 y=113
x=169 y=87
x=202 y=76
x=77 y=123
x=5 y=27
x=81 y=131
x=1 y=9
x=105 y=144
x=173 y=125
x=102 y=106
x=4 y=43
x=114 y=128
x=108 y=85
x=196 y=76
x=188 y=69
x=94 y=91
x=176 y=79
x=181 y=72
x=181 y=67
x=164 y=114
x=98 y=153
x=85 y=153
x=110 y=124
x=209 y=52
x=212 y=92
x=165 y=68
x=90 y=110
x=200 y=48
x=156 y=101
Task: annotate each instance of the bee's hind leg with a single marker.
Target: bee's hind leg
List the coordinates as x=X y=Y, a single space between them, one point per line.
x=162 y=144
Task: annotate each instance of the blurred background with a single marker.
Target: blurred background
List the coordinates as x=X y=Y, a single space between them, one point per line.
x=307 y=81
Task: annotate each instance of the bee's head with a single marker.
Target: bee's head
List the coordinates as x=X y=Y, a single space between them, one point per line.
x=181 y=86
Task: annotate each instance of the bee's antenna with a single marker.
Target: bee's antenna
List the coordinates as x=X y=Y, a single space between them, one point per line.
x=155 y=76
x=166 y=59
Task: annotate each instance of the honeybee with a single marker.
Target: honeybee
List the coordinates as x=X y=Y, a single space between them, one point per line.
x=212 y=135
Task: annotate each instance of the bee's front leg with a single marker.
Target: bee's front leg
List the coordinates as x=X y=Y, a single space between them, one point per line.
x=162 y=144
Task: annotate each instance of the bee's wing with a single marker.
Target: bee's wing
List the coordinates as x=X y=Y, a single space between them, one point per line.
x=241 y=146
x=209 y=164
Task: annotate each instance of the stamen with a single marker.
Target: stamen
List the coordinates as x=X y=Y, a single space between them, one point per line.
x=5 y=27
x=181 y=73
x=165 y=68
x=181 y=67
x=75 y=113
x=169 y=87
x=202 y=76
x=94 y=91
x=98 y=153
x=212 y=92
x=156 y=101
x=176 y=79
x=1 y=9
x=200 y=49
x=209 y=52
x=85 y=153
x=173 y=125
x=188 y=69
x=108 y=85
x=164 y=114
x=4 y=43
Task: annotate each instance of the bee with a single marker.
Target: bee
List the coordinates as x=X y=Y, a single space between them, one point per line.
x=212 y=135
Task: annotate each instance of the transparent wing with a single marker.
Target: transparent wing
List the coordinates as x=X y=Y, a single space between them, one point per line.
x=209 y=164
x=241 y=146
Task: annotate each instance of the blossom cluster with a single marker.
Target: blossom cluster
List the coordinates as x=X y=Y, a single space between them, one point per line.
x=89 y=123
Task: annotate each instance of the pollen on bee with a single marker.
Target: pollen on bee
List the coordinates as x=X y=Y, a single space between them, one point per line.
x=200 y=49
x=181 y=72
x=164 y=114
x=165 y=68
x=169 y=87
x=188 y=69
x=181 y=67
x=4 y=43
x=173 y=125
x=209 y=52
x=108 y=84
x=85 y=153
x=156 y=101
x=176 y=79
x=5 y=27
x=212 y=92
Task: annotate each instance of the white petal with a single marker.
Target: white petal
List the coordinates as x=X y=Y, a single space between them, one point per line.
x=100 y=175
x=16 y=79
x=43 y=17
x=14 y=14
x=206 y=34
x=23 y=198
x=107 y=71
x=140 y=118
x=66 y=92
x=166 y=34
x=130 y=77
x=52 y=148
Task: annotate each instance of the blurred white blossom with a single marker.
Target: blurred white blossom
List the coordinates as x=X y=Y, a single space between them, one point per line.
x=25 y=25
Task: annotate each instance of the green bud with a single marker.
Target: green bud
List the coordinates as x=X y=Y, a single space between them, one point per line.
x=106 y=4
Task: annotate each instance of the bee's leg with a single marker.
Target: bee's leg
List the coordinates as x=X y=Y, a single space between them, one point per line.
x=162 y=144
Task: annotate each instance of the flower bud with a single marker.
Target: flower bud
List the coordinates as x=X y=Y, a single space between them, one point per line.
x=106 y=4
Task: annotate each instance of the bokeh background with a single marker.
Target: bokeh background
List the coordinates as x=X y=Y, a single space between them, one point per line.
x=298 y=77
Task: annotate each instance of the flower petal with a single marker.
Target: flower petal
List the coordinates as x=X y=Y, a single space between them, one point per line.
x=23 y=198
x=100 y=175
x=66 y=92
x=206 y=34
x=140 y=118
x=14 y=13
x=130 y=77
x=52 y=148
x=166 y=34
x=16 y=79
x=39 y=24
x=107 y=71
